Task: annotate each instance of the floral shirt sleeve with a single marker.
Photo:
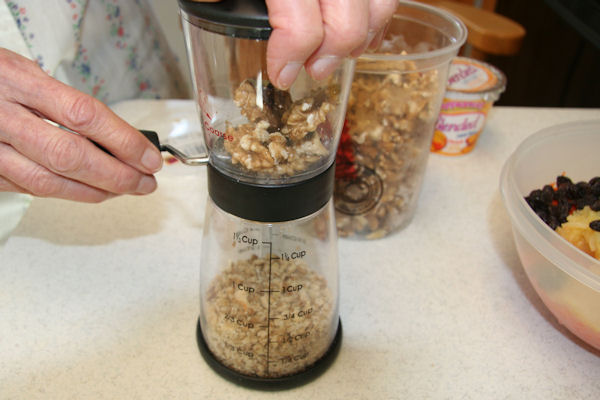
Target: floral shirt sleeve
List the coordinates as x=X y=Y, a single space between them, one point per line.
x=111 y=49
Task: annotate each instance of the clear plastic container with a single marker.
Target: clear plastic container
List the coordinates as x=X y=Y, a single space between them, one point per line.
x=393 y=106
x=252 y=130
x=566 y=279
x=269 y=270
x=473 y=87
x=269 y=296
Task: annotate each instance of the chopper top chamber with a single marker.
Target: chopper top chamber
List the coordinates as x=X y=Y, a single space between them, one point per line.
x=253 y=131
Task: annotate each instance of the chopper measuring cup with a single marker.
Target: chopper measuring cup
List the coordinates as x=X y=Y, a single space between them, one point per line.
x=269 y=269
x=269 y=290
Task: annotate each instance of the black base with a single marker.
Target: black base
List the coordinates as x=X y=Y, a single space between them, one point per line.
x=281 y=383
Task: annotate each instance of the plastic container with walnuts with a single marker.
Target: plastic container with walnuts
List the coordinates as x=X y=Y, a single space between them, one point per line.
x=394 y=103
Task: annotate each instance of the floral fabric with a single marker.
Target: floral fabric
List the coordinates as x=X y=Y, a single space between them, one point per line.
x=111 y=49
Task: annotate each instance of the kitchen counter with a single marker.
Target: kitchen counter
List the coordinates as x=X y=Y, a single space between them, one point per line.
x=100 y=301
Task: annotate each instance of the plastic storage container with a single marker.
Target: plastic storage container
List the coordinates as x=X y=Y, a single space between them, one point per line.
x=566 y=279
x=269 y=304
x=394 y=103
x=473 y=87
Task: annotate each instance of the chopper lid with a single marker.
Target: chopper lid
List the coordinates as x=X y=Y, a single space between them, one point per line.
x=246 y=19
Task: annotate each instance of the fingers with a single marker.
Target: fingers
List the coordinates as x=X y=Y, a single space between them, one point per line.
x=55 y=162
x=67 y=154
x=380 y=13
x=345 y=25
x=32 y=88
x=297 y=33
x=8 y=186
x=319 y=34
x=316 y=33
x=37 y=180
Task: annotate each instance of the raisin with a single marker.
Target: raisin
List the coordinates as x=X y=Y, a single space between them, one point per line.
x=595 y=225
x=563 y=209
x=587 y=200
x=553 y=206
x=580 y=190
x=561 y=180
x=547 y=194
x=595 y=187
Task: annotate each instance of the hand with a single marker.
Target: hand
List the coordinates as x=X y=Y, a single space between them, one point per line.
x=39 y=158
x=319 y=34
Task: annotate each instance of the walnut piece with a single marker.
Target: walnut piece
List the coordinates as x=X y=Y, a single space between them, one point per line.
x=282 y=137
x=253 y=337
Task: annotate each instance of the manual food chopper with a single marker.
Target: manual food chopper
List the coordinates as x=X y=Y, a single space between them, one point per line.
x=269 y=272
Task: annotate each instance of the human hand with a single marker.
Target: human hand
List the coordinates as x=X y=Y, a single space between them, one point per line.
x=39 y=158
x=319 y=34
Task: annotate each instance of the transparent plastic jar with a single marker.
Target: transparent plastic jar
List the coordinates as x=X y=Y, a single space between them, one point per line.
x=269 y=269
x=393 y=106
x=252 y=130
x=473 y=87
x=269 y=296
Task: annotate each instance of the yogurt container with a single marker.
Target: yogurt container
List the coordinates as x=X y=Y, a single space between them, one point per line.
x=473 y=87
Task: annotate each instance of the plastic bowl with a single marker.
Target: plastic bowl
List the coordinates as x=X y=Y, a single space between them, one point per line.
x=566 y=279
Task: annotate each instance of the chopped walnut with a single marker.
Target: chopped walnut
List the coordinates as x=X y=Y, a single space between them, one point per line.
x=304 y=117
x=264 y=335
x=282 y=137
x=390 y=118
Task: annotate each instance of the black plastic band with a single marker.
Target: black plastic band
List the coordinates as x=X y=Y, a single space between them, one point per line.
x=270 y=203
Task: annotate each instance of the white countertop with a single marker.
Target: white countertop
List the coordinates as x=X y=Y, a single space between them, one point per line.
x=101 y=301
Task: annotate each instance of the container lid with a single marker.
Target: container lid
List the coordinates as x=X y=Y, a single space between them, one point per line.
x=246 y=19
x=471 y=76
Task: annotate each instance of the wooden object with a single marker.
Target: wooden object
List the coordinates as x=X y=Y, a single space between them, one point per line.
x=489 y=33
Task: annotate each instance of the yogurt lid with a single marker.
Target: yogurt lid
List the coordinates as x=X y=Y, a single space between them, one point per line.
x=471 y=76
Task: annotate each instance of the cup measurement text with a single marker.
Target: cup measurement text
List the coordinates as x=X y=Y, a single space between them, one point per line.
x=241 y=238
x=238 y=322
x=294 y=255
x=239 y=350
x=299 y=314
x=242 y=287
x=295 y=338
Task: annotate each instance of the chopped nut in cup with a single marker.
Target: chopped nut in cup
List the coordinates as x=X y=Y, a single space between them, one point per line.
x=284 y=137
x=235 y=328
x=393 y=106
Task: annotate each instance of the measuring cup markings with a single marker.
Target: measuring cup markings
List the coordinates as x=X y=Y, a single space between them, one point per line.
x=241 y=237
x=238 y=321
x=238 y=350
x=293 y=255
x=273 y=306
